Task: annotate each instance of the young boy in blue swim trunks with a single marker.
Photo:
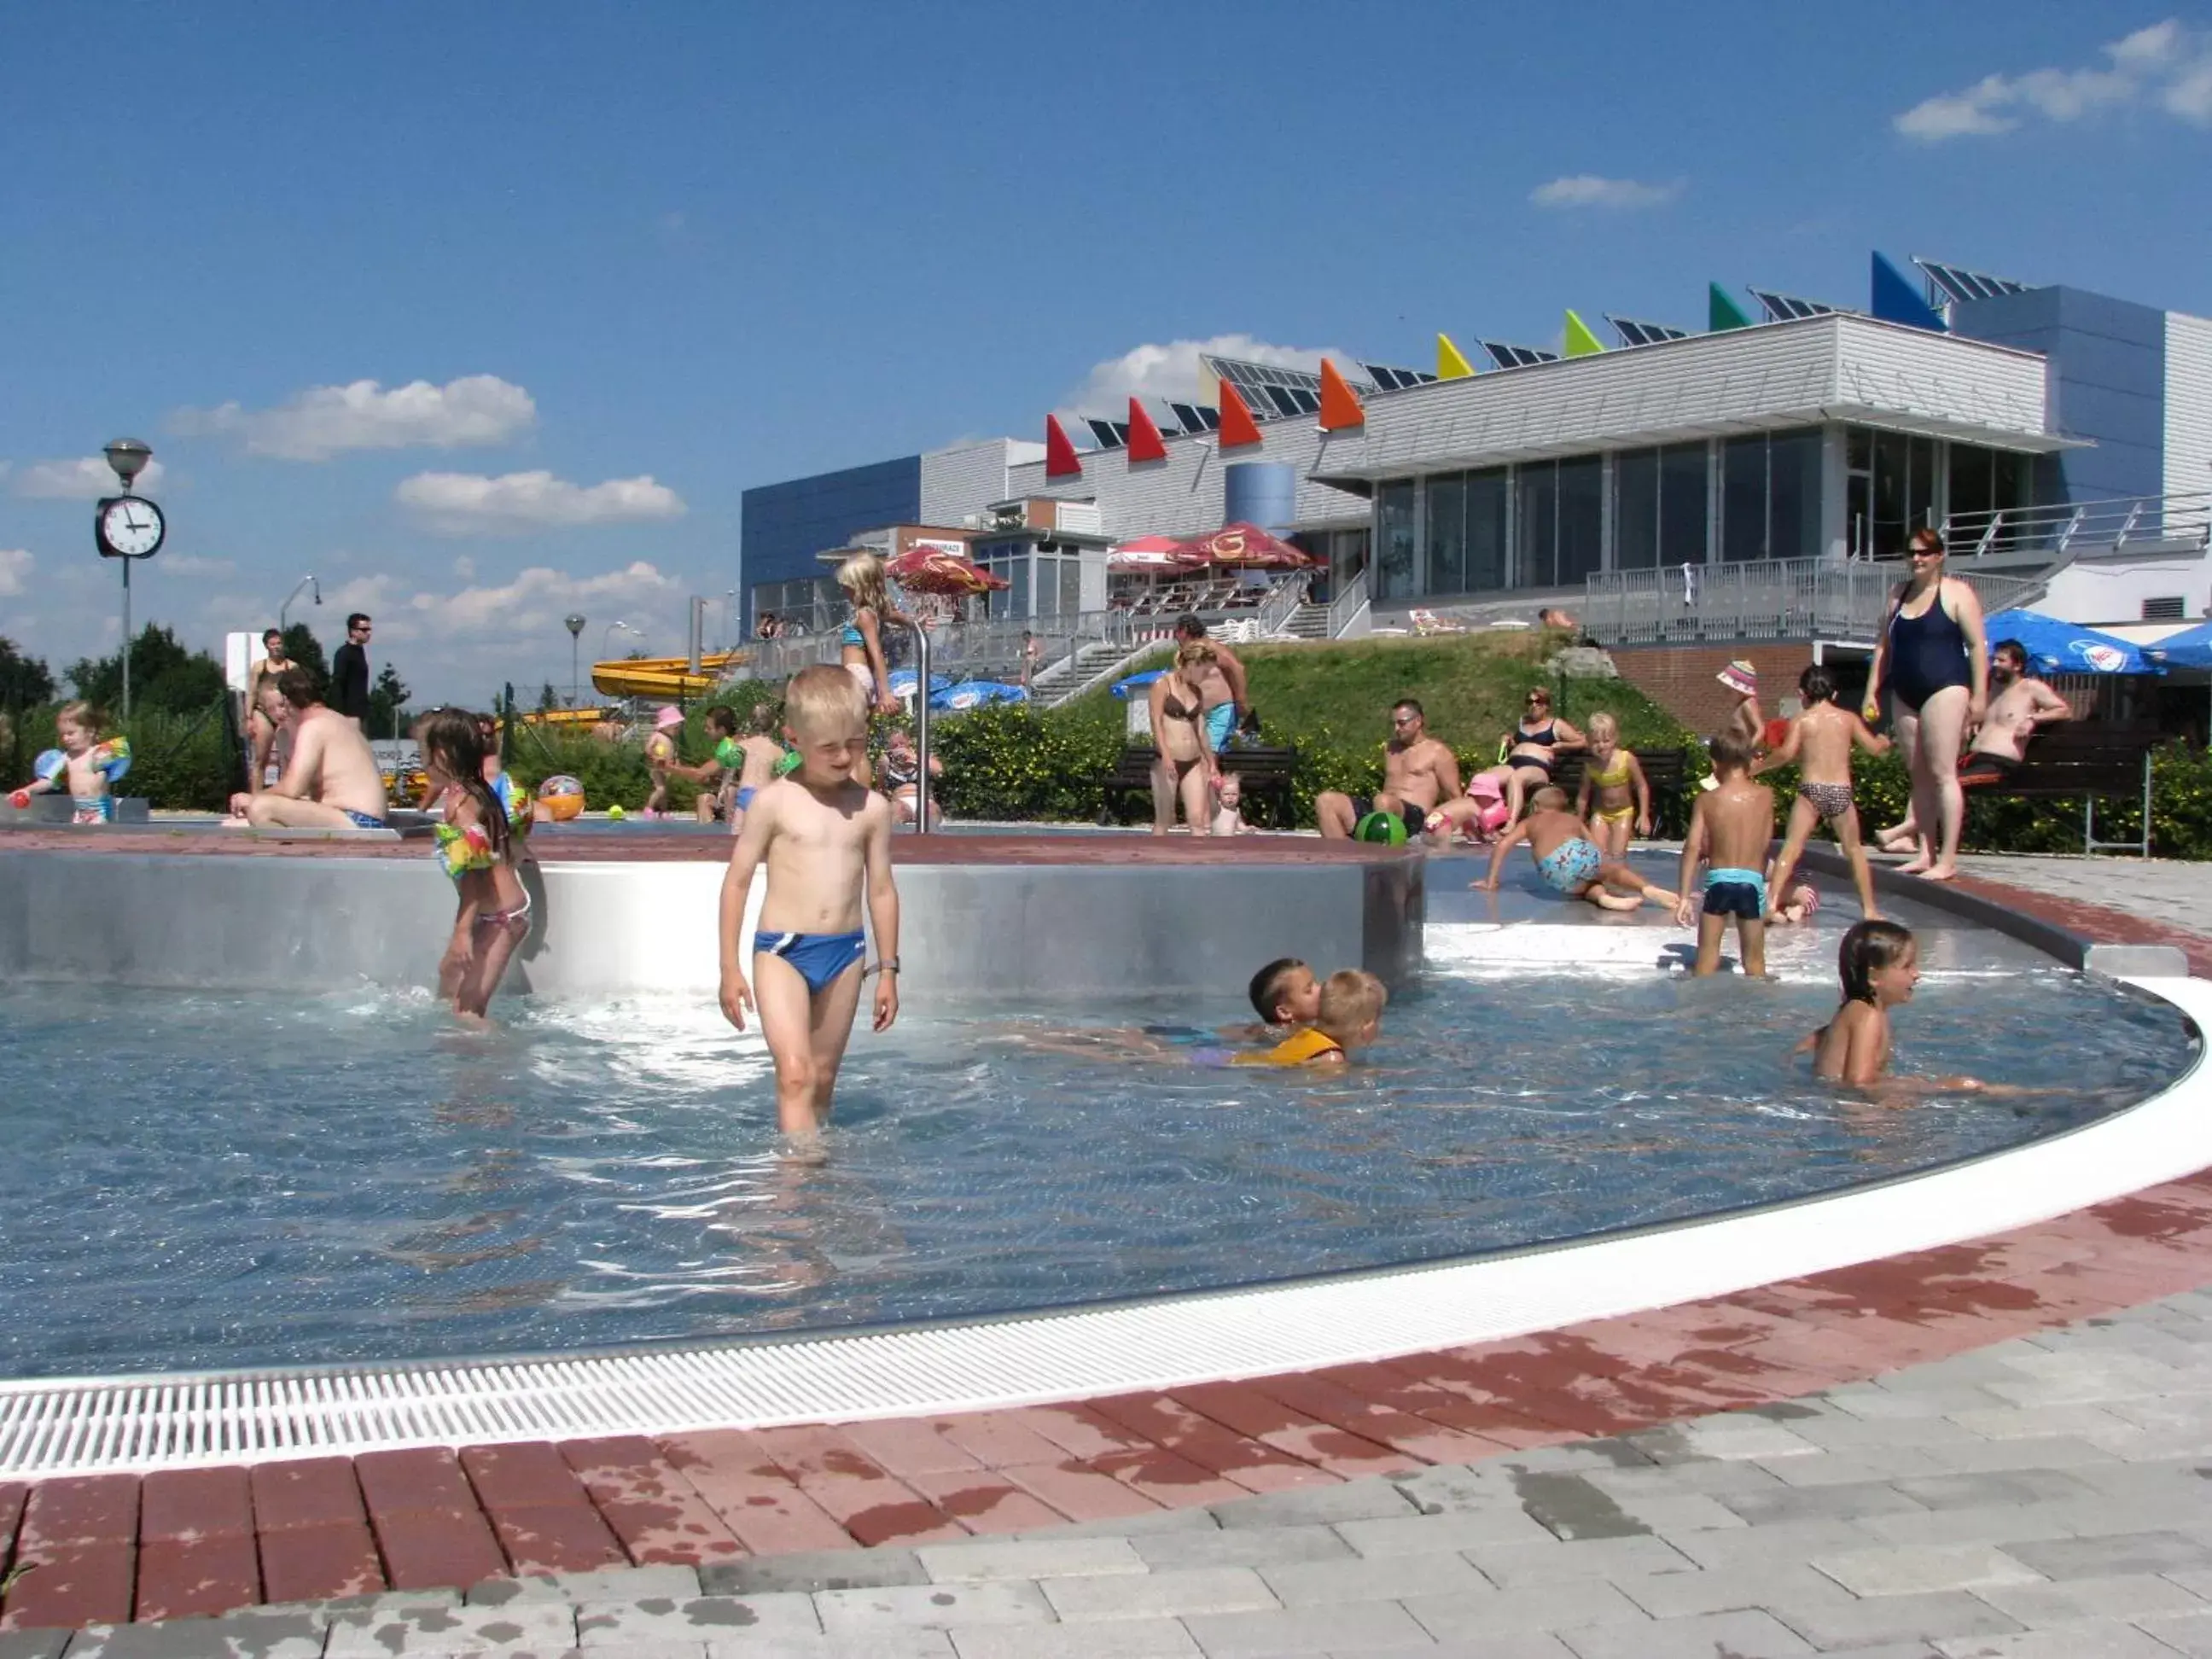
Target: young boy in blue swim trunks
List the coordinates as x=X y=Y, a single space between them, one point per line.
x=1733 y=825
x=1568 y=859
x=826 y=837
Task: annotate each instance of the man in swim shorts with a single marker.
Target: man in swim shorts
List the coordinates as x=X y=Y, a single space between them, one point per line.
x=1221 y=684
x=331 y=781
x=2020 y=706
x=1419 y=771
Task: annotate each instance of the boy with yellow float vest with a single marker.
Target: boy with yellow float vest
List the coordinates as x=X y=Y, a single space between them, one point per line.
x=1349 y=1016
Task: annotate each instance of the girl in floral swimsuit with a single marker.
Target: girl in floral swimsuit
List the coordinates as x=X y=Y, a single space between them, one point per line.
x=479 y=846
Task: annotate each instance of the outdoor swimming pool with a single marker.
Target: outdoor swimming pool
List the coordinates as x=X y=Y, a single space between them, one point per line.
x=203 y=1179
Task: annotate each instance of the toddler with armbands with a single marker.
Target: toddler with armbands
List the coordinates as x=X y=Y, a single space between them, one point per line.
x=84 y=765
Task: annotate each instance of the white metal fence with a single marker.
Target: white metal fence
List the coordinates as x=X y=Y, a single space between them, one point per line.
x=1761 y=599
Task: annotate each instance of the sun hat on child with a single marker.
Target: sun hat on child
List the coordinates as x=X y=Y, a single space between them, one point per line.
x=669 y=715
x=1739 y=676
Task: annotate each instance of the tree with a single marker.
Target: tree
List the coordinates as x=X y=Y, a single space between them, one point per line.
x=25 y=682
x=547 y=699
x=164 y=675
x=387 y=704
x=305 y=649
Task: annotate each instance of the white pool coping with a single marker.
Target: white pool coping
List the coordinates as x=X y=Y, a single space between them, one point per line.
x=56 y=1426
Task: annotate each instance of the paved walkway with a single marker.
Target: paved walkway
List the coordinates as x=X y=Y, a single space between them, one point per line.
x=2159 y=889
x=1915 y=1456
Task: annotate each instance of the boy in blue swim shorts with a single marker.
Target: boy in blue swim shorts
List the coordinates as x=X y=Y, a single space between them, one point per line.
x=1732 y=825
x=826 y=839
x=1569 y=861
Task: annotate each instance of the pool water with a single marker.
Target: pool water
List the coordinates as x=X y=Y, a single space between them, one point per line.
x=224 y=1180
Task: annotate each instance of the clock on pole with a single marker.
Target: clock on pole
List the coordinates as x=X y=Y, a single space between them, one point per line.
x=127 y=527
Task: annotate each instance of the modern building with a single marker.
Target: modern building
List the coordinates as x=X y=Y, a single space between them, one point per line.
x=2062 y=435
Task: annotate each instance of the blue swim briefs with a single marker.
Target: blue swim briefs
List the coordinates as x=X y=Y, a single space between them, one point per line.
x=362 y=820
x=819 y=958
x=1736 y=893
x=745 y=793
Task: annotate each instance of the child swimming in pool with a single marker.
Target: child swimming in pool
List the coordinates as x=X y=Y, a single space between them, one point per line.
x=83 y=766
x=826 y=838
x=1568 y=859
x=479 y=848
x=1731 y=825
x=1879 y=965
x=1349 y=1016
x=1615 y=786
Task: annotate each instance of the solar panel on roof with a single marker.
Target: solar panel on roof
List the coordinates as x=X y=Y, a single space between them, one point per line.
x=1187 y=416
x=1784 y=308
x=1516 y=356
x=1103 y=431
x=1212 y=417
x=1947 y=282
x=1280 y=397
x=1633 y=333
x=1385 y=378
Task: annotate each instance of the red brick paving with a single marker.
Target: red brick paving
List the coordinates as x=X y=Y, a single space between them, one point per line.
x=100 y=1548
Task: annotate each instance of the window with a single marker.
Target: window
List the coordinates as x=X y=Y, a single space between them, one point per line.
x=1538 y=563
x=1486 y=503
x=1771 y=496
x=1582 y=517
x=1683 y=504
x=1393 y=579
x=1447 y=532
x=1984 y=483
x=1635 y=509
x=1743 y=499
x=2172 y=609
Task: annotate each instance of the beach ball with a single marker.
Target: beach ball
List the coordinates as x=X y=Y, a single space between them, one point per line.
x=1388 y=827
x=560 y=798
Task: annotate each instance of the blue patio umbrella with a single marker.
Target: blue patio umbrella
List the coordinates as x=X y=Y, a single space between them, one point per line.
x=902 y=682
x=1123 y=688
x=2064 y=648
x=2190 y=649
x=972 y=694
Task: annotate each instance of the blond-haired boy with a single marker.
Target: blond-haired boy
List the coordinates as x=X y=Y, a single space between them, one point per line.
x=827 y=841
x=1349 y=1016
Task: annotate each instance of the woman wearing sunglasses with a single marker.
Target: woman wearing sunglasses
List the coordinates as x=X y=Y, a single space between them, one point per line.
x=1933 y=658
x=1532 y=749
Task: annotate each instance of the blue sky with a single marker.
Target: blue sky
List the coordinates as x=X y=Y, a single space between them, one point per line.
x=482 y=313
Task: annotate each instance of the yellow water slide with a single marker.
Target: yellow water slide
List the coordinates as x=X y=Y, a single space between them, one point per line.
x=668 y=679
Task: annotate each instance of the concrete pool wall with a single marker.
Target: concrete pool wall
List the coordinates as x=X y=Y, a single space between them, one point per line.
x=982 y=917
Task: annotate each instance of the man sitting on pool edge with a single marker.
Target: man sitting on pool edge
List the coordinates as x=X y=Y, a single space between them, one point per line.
x=1419 y=771
x=331 y=780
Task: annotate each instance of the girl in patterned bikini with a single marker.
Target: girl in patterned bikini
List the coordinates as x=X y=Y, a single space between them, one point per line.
x=1820 y=741
x=477 y=847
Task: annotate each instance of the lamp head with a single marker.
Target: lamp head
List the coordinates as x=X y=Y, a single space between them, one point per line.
x=574 y=622
x=128 y=456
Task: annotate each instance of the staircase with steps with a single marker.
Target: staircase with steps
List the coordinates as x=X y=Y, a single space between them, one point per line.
x=1308 y=622
x=1095 y=664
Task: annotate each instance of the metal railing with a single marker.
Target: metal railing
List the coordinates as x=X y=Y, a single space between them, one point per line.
x=1762 y=599
x=2072 y=528
x=1347 y=602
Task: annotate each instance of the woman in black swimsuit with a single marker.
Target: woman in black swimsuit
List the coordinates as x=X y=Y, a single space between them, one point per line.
x=1186 y=769
x=1934 y=661
x=1536 y=744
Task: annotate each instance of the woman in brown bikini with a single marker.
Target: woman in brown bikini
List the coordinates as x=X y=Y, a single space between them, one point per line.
x=1187 y=766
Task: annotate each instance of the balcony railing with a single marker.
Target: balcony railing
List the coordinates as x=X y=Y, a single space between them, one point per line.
x=2075 y=527
x=1761 y=599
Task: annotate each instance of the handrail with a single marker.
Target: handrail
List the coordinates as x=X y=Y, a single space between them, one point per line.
x=921 y=726
x=1281 y=604
x=1346 y=603
x=1763 y=599
x=2063 y=527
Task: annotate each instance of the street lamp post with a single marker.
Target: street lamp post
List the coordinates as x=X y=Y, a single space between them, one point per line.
x=573 y=621
x=283 y=610
x=605 y=632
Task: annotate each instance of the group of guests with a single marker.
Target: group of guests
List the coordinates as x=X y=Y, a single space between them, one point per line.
x=1197 y=707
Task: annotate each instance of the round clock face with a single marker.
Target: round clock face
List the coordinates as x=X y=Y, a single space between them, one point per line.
x=131 y=527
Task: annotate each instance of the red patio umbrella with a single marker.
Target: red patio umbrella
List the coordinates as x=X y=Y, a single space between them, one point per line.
x=1247 y=547
x=1152 y=553
x=925 y=569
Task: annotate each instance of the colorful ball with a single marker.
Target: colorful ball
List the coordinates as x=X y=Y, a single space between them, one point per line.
x=1386 y=828
x=560 y=798
x=660 y=748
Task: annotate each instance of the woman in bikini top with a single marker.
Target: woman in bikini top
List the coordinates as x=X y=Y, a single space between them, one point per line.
x=1179 y=729
x=1532 y=754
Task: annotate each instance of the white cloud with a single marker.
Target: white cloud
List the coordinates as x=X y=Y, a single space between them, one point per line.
x=469 y=504
x=1588 y=190
x=1161 y=372
x=85 y=479
x=187 y=564
x=528 y=607
x=328 y=419
x=2166 y=66
x=15 y=563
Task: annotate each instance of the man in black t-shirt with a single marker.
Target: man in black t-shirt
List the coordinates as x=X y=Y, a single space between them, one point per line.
x=350 y=671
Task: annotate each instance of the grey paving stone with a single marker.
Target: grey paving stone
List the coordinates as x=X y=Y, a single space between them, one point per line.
x=858 y=1612
x=33 y=1644
x=1899 y=1618
x=1680 y=1594
x=2119 y=1553
x=2148 y=1478
x=1746 y=1635
x=1618 y=1451
x=1860 y=1466
x=2003 y=1524
x=2091 y=1423
x=1689 y=1511
x=1355 y=1500
x=608 y=1585
x=2108 y=1639
x=623 y=1624
x=1923 y=1569
x=1522 y=1644
x=876 y=1644
x=2130 y=1595
x=1712 y=1478
x=811 y=1571
x=2088 y=1379
x=1843 y=1503
x=1247 y=1546
x=1163 y=1595
x=1033 y=1558
x=1382 y=1578
x=1843 y=1432
x=1124 y=1638
x=1975 y=1490
x=1536 y=1607
x=1780 y=1541
x=1422 y=1535
x=1888 y=1401
x=1360 y=1627
x=1737 y=1436
x=252 y=1634
x=1512 y=1565
x=527 y=1627
x=2191 y=1634
x=1448 y=1488
x=2050 y=1452
x=1149 y=1524
x=1569 y=1506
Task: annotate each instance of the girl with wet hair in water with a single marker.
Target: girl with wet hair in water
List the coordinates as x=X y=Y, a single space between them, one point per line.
x=1879 y=962
x=479 y=850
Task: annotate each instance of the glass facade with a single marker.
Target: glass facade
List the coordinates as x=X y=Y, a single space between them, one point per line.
x=1041 y=584
x=1771 y=496
x=1396 y=570
x=785 y=525
x=1659 y=514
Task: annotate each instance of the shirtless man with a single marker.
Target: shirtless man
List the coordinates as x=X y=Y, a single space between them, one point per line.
x=331 y=780
x=1419 y=771
x=260 y=731
x=1221 y=684
x=2020 y=705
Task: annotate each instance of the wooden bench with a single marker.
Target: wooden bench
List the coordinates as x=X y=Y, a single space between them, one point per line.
x=2087 y=758
x=1264 y=772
